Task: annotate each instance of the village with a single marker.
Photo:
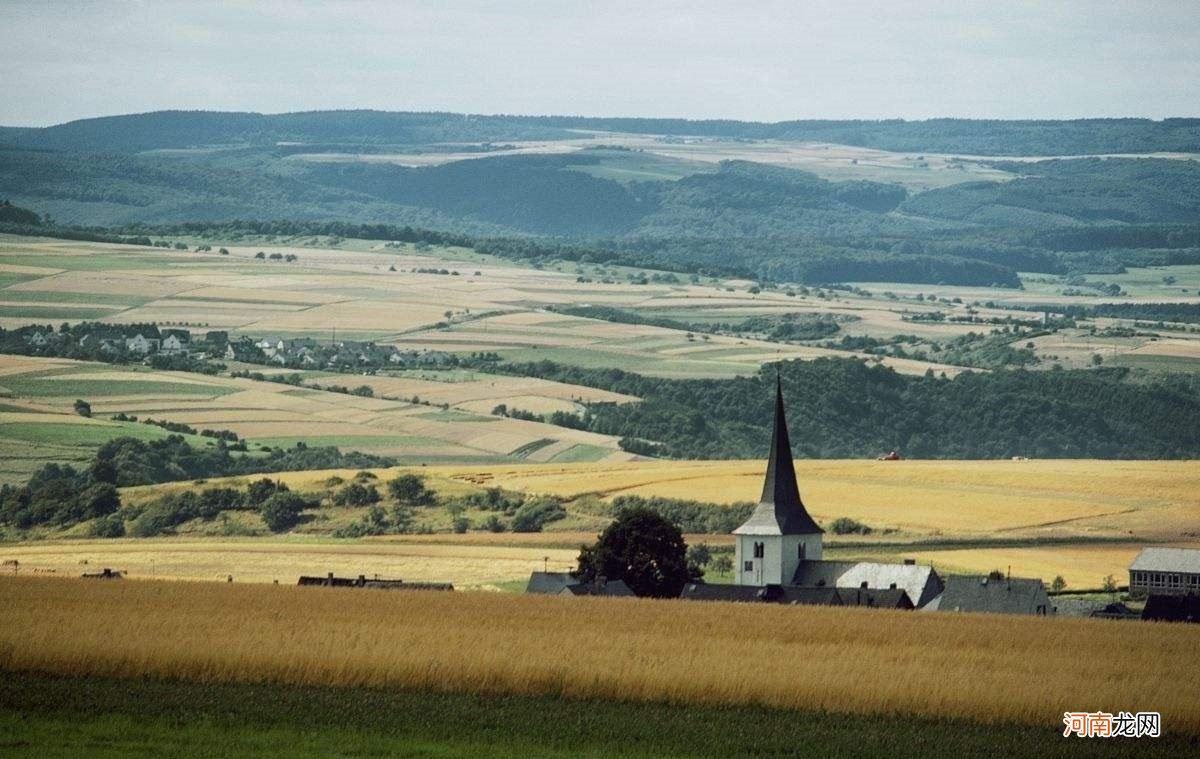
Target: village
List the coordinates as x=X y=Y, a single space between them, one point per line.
x=126 y=343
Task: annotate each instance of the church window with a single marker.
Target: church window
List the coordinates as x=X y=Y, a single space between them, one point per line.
x=759 y=550
x=749 y=566
x=800 y=551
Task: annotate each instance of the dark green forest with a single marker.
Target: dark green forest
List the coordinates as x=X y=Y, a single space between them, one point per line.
x=844 y=408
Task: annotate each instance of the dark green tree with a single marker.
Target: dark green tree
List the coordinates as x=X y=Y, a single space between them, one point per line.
x=281 y=511
x=410 y=490
x=643 y=549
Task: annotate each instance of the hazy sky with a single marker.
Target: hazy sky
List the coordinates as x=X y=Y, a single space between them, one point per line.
x=744 y=60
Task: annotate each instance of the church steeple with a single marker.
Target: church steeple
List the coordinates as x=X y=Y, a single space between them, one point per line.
x=780 y=510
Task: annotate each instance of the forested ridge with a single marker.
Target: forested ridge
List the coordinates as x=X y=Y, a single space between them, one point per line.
x=845 y=408
x=738 y=218
x=176 y=129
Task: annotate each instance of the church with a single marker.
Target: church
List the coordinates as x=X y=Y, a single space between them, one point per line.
x=778 y=551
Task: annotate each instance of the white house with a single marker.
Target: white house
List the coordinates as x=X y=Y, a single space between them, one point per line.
x=175 y=342
x=139 y=343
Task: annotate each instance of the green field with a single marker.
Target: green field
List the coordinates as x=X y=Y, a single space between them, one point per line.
x=45 y=717
x=38 y=387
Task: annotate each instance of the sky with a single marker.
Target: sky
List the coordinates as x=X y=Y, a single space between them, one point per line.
x=751 y=60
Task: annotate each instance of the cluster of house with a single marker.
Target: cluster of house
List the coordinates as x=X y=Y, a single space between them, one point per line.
x=778 y=560
x=116 y=338
x=296 y=353
x=308 y=353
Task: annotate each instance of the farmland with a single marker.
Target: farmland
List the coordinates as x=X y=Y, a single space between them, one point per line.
x=432 y=641
x=38 y=425
x=1082 y=520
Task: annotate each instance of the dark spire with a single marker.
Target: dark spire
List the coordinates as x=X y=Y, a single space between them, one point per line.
x=780 y=510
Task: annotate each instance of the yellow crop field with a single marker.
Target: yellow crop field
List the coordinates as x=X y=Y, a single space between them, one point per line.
x=948 y=498
x=1028 y=670
x=268 y=561
x=1081 y=566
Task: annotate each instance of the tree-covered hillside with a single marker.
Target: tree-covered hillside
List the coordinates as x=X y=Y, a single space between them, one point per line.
x=1081 y=216
x=839 y=408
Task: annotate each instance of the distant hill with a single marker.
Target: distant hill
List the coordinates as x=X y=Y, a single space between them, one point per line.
x=185 y=129
x=616 y=203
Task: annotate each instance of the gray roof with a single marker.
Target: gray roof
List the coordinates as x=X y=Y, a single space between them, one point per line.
x=1168 y=560
x=780 y=594
x=920 y=581
x=886 y=598
x=549 y=582
x=605 y=588
x=780 y=510
x=979 y=593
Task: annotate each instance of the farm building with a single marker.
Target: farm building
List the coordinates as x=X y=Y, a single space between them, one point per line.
x=1165 y=571
x=563 y=584
x=980 y=593
x=780 y=543
x=797 y=596
x=1172 y=608
x=362 y=581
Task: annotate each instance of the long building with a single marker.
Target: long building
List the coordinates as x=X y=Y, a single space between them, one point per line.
x=1165 y=571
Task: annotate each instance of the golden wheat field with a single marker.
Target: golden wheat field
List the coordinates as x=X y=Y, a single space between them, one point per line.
x=1027 y=670
x=1144 y=499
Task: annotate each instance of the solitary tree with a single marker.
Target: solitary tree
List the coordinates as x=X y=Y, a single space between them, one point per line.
x=642 y=548
x=1058 y=584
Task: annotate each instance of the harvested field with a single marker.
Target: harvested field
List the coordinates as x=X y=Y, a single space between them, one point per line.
x=267 y=561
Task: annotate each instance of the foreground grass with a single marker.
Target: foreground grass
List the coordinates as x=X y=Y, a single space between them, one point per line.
x=851 y=661
x=48 y=717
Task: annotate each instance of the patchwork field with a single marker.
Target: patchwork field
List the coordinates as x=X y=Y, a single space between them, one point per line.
x=37 y=422
x=369 y=292
x=456 y=300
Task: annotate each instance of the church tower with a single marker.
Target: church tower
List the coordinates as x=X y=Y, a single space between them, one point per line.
x=779 y=534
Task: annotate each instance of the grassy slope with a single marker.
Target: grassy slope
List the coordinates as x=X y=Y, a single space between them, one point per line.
x=47 y=717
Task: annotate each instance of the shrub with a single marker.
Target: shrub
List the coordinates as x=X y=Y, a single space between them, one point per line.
x=215 y=500
x=848 y=526
x=493 y=524
x=409 y=489
x=282 y=510
x=111 y=526
x=461 y=525
x=536 y=513
x=155 y=520
x=260 y=490
x=83 y=408
x=356 y=494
